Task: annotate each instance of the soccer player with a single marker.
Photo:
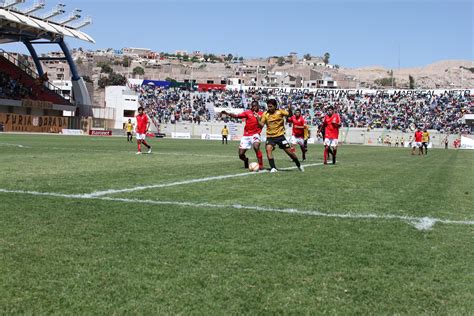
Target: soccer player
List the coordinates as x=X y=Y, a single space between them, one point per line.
x=274 y=119
x=129 y=129
x=298 y=131
x=417 y=142
x=143 y=124
x=425 y=139
x=224 y=133
x=331 y=125
x=252 y=130
x=307 y=135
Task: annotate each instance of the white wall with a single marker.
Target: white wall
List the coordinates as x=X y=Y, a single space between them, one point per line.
x=120 y=98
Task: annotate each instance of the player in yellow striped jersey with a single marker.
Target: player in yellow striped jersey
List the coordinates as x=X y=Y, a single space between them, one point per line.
x=274 y=119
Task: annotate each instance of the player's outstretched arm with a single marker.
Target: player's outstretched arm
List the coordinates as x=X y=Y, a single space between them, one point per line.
x=229 y=114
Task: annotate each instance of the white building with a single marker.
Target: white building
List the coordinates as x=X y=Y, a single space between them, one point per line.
x=121 y=104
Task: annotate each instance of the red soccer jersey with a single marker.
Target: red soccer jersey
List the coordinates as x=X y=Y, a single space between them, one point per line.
x=418 y=136
x=298 y=132
x=251 y=123
x=332 y=124
x=142 y=123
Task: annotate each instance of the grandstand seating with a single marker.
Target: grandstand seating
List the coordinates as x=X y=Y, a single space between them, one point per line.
x=37 y=90
x=393 y=111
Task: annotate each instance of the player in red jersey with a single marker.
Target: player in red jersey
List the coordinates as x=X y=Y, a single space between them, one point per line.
x=297 y=136
x=331 y=125
x=143 y=124
x=417 y=143
x=252 y=130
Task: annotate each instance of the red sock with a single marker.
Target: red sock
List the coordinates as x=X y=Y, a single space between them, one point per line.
x=139 y=147
x=260 y=159
x=325 y=154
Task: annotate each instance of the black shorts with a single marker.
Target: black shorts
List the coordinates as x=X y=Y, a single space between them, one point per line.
x=280 y=141
x=129 y=133
x=424 y=144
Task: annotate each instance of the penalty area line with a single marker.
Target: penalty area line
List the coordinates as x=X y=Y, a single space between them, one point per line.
x=184 y=182
x=420 y=223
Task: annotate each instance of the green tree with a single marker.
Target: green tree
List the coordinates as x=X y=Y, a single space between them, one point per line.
x=138 y=71
x=385 y=82
x=87 y=79
x=116 y=79
x=170 y=79
x=105 y=67
x=326 y=58
x=307 y=57
x=127 y=61
x=241 y=59
x=412 y=81
x=281 y=61
x=229 y=57
x=79 y=61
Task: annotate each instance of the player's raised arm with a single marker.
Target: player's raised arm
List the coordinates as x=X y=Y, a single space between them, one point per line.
x=229 y=114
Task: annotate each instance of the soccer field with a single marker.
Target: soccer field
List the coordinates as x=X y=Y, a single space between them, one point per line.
x=89 y=227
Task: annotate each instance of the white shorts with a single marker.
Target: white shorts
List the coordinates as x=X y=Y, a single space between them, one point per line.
x=140 y=136
x=246 y=142
x=297 y=140
x=416 y=144
x=332 y=142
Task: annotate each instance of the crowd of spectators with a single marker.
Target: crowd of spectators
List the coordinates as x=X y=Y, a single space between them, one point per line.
x=396 y=111
x=172 y=105
x=13 y=88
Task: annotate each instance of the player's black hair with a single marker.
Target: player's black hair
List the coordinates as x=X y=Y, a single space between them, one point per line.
x=298 y=110
x=254 y=103
x=330 y=107
x=140 y=108
x=272 y=101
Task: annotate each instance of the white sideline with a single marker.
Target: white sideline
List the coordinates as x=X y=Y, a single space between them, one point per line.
x=420 y=223
x=165 y=185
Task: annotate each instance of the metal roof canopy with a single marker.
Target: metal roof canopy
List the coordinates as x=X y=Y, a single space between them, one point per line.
x=15 y=26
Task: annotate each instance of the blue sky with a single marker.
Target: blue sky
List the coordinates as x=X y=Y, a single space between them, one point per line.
x=355 y=33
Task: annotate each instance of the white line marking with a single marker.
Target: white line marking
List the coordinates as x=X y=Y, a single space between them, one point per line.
x=13 y=145
x=425 y=223
x=420 y=223
x=165 y=185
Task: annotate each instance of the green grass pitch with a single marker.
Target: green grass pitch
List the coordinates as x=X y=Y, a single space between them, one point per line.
x=381 y=232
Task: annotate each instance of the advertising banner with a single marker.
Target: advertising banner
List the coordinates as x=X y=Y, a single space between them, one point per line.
x=72 y=131
x=181 y=135
x=34 y=124
x=211 y=136
x=467 y=143
x=100 y=132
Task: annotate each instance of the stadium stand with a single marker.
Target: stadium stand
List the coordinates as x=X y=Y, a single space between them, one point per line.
x=21 y=82
x=398 y=110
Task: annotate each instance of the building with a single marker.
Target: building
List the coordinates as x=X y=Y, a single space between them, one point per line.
x=121 y=104
x=136 y=52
